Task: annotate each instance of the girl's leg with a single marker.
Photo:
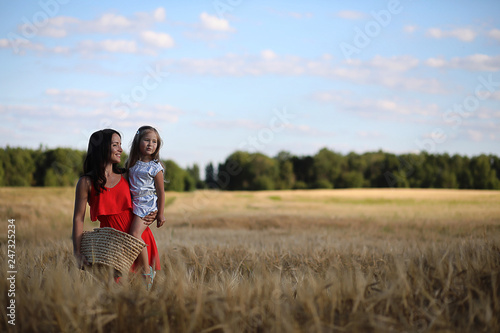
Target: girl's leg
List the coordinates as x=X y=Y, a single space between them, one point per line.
x=136 y=230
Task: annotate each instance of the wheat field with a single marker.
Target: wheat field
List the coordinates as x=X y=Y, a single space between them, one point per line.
x=364 y=260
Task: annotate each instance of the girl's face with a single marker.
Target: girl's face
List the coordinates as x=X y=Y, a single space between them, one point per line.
x=116 y=149
x=148 y=144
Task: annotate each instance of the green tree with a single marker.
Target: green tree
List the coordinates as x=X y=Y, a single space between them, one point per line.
x=327 y=168
x=445 y=176
x=3 y=157
x=286 y=176
x=375 y=172
x=353 y=168
x=484 y=176
x=210 y=179
x=19 y=167
x=189 y=182
x=174 y=176
x=234 y=174
x=58 y=167
x=495 y=164
x=263 y=172
x=194 y=173
x=303 y=170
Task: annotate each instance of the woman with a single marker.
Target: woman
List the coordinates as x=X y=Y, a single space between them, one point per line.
x=107 y=192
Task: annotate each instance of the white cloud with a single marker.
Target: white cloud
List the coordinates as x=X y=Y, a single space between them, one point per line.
x=234 y=124
x=410 y=28
x=268 y=54
x=395 y=63
x=159 y=14
x=54 y=32
x=21 y=45
x=108 y=45
x=107 y=23
x=495 y=34
x=209 y=29
x=369 y=134
x=487 y=113
x=77 y=97
x=351 y=15
x=68 y=123
x=85 y=47
x=299 y=15
x=214 y=23
x=496 y=95
x=474 y=135
x=295 y=15
x=464 y=34
x=76 y=93
x=306 y=130
x=387 y=72
x=390 y=109
x=138 y=26
x=251 y=125
x=54 y=27
x=4 y=43
x=475 y=62
x=157 y=39
x=436 y=62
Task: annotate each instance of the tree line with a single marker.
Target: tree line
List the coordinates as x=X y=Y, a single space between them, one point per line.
x=255 y=171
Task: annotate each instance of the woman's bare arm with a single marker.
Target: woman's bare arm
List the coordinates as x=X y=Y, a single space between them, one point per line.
x=160 y=192
x=81 y=199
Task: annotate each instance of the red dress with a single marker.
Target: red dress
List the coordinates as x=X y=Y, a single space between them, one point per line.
x=113 y=208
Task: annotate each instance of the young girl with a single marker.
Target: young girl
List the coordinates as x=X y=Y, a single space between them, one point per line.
x=145 y=174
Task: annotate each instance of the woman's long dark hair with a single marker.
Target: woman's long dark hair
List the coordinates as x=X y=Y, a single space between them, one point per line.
x=98 y=154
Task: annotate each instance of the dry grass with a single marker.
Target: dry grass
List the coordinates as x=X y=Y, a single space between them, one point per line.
x=291 y=261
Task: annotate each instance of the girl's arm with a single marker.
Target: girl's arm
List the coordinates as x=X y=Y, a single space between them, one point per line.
x=81 y=198
x=160 y=192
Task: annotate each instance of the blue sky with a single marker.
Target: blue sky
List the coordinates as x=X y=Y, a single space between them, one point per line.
x=267 y=76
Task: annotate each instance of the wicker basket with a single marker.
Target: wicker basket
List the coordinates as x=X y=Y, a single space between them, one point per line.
x=111 y=247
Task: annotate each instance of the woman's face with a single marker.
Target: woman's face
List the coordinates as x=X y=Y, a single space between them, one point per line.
x=116 y=149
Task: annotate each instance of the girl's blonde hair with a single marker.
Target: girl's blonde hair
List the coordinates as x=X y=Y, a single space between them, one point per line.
x=135 y=153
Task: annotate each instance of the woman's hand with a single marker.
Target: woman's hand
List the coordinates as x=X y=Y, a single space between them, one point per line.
x=160 y=220
x=150 y=218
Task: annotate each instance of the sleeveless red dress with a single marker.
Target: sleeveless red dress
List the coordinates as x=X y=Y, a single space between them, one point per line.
x=113 y=208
